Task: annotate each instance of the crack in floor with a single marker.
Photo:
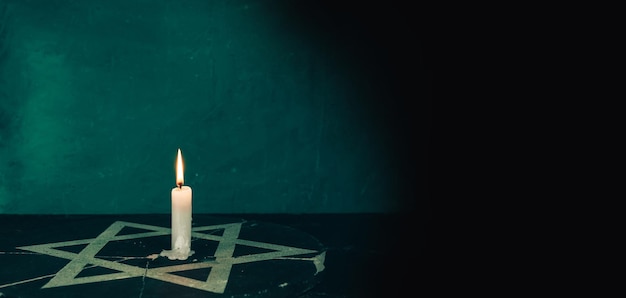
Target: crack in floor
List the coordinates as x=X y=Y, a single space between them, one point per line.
x=121 y=259
x=143 y=279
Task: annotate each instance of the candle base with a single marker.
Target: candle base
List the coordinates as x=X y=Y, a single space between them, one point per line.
x=176 y=254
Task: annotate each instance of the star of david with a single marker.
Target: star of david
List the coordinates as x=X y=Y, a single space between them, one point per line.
x=220 y=267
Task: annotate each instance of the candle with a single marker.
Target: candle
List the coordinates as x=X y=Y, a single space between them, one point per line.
x=181 y=216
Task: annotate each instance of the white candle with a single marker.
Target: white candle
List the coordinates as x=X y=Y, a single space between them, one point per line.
x=181 y=216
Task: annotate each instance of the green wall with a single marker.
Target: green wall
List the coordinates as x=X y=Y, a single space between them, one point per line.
x=277 y=106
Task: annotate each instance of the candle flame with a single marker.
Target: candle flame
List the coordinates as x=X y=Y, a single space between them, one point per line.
x=180 y=179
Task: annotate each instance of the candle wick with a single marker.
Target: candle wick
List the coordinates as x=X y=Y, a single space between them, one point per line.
x=180 y=186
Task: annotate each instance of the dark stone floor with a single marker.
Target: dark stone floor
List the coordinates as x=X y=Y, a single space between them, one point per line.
x=244 y=255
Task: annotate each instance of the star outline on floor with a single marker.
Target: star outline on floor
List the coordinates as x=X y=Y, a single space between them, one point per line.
x=217 y=279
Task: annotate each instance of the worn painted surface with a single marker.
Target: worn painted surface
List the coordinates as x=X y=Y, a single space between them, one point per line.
x=235 y=258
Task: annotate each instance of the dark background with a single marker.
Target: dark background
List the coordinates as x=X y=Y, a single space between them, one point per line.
x=278 y=106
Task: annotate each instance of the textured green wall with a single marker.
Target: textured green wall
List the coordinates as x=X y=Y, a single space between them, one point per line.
x=278 y=106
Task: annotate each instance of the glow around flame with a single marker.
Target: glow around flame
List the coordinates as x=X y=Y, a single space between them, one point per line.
x=180 y=178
